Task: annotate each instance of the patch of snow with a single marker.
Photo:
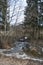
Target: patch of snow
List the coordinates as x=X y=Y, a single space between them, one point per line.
x=42 y=49
x=21 y=56
x=1 y=50
x=24 y=56
x=25 y=37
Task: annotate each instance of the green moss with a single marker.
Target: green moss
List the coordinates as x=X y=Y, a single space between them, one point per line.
x=33 y=53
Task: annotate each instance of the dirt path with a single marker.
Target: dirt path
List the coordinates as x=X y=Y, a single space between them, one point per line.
x=14 y=61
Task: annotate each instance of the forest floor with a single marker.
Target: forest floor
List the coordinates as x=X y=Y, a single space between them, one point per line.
x=14 y=61
x=5 y=60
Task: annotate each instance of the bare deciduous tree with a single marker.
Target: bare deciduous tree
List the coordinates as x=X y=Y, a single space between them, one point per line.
x=7 y=35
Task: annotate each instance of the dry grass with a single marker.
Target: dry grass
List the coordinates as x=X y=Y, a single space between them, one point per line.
x=14 y=61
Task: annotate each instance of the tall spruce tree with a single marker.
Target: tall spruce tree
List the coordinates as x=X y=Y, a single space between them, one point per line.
x=31 y=17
